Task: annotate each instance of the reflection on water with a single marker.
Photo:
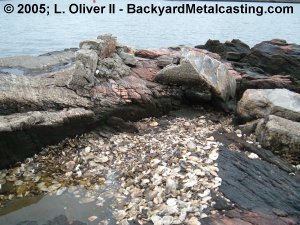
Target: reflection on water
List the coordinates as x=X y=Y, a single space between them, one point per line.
x=72 y=205
x=36 y=34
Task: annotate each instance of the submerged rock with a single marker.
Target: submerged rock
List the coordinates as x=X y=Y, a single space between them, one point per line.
x=258 y=103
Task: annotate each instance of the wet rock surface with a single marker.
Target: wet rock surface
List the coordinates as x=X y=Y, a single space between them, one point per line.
x=34 y=65
x=258 y=186
x=37 y=129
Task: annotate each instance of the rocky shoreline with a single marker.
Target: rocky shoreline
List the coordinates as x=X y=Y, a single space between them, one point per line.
x=229 y=161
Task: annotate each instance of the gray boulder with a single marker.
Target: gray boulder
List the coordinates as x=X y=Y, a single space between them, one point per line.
x=202 y=73
x=128 y=59
x=127 y=55
x=279 y=134
x=164 y=60
x=258 y=103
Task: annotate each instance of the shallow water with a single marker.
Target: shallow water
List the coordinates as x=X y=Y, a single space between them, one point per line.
x=15 y=71
x=43 y=209
x=70 y=205
x=36 y=34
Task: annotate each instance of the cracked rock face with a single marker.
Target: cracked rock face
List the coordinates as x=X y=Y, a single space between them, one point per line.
x=112 y=67
x=86 y=64
x=98 y=58
x=201 y=72
x=258 y=103
x=19 y=94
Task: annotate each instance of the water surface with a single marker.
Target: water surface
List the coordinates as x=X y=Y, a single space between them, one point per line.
x=37 y=34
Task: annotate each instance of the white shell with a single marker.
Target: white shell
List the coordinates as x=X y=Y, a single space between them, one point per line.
x=214 y=155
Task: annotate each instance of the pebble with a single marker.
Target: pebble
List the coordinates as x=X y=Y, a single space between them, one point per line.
x=61 y=191
x=191 y=145
x=193 y=221
x=238 y=133
x=153 y=124
x=253 y=156
x=92 y=218
x=86 y=200
x=214 y=155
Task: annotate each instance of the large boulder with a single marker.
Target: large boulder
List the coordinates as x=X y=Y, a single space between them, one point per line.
x=259 y=103
x=279 y=134
x=275 y=57
x=202 y=73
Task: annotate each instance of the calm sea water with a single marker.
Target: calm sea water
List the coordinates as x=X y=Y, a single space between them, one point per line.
x=37 y=34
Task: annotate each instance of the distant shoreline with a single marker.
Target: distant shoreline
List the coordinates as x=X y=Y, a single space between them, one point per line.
x=249 y=1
